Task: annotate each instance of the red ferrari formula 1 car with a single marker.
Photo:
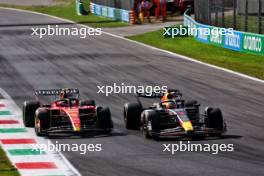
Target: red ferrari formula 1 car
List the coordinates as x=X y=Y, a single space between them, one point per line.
x=173 y=117
x=65 y=114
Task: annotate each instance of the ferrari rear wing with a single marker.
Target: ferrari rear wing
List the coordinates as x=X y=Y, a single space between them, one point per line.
x=53 y=92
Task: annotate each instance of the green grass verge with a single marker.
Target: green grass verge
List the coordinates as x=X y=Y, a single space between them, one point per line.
x=67 y=9
x=252 y=65
x=6 y=168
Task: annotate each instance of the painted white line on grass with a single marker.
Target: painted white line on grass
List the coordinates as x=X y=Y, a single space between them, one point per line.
x=148 y=46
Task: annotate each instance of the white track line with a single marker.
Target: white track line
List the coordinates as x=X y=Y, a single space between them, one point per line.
x=148 y=46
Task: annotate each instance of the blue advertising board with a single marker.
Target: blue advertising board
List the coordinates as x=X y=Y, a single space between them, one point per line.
x=233 y=41
x=203 y=33
x=111 y=12
x=98 y=10
x=114 y=13
x=124 y=15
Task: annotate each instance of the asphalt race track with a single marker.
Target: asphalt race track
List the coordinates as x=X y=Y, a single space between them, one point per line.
x=28 y=63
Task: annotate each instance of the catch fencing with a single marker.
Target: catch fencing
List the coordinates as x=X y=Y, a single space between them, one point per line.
x=242 y=15
x=118 y=4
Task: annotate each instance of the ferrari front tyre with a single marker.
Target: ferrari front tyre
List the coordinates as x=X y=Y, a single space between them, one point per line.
x=104 y=120
x=132 y=112
x=42 y=121
x=29 y=109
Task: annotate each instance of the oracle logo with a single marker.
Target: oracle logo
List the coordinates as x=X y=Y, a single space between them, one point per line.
x=252 y=43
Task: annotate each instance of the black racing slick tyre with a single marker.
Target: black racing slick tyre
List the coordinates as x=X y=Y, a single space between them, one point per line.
x=145 y=124
x=151 y=124
x=29 y=109
x=42 y=121
x=207 y=110
x=88 y=102
x=104 y=120
x=132 y=112
x=190 y=103
x=215 y=120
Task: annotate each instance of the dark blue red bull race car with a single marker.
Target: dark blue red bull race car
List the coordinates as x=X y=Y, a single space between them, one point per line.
x=173 y=117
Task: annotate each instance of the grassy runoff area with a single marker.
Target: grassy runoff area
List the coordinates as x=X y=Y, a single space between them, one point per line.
x=66 y=9
x=6 y=168
x=252 y=65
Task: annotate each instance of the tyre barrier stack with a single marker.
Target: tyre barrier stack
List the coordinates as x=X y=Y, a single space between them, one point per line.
x=92 y=8
x=132 y=17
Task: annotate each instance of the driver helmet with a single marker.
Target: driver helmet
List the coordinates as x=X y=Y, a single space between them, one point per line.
x=167 y=97
x=63 y=94
x=168 y=101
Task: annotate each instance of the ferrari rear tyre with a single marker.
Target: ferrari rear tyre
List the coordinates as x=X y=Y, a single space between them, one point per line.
x=29 y=109
x=132 y=112
x=104 y=120
x=42 y=122
x=88 y=102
